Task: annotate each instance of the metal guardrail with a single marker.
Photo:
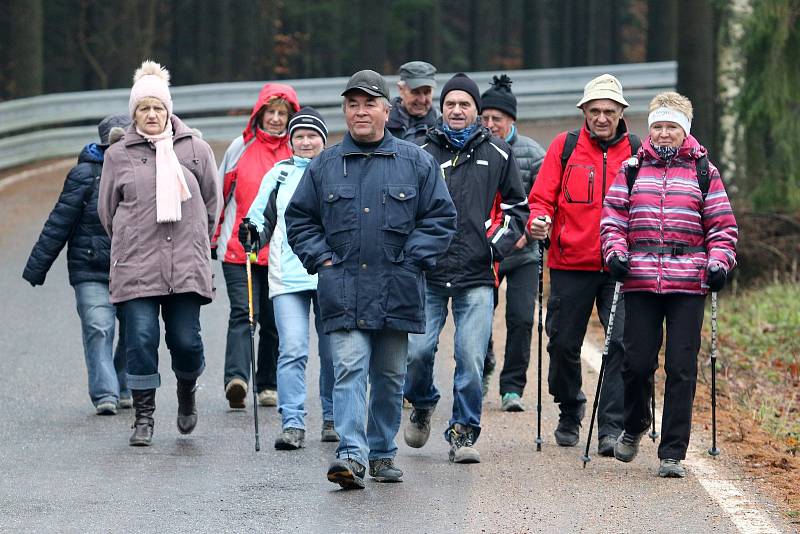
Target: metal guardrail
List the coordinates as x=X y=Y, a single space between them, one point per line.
x=34 y=128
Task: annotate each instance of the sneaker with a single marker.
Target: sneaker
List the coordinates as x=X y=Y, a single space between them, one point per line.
x=384 y=470
x=418 y=429
x=268 y=397
x=627 y=446
x=125 y=403
x=328 y=432
x=568 y=430
x=348 y=473
x=462 y=451
x=605 y=446
x=106 y=408
x=671 y=469
x=236 y=392
x=291 y=439
x=512 y=402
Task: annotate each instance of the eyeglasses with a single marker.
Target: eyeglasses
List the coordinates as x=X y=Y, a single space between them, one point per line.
x=610 y=113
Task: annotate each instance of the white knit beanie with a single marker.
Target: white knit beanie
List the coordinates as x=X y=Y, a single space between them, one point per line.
x=150 y=80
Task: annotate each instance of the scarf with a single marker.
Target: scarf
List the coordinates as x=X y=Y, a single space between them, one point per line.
x=171 y=188
x=458 y=138
x=666 y=153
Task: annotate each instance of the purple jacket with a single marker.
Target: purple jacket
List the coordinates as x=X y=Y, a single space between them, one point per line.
x=666 y=208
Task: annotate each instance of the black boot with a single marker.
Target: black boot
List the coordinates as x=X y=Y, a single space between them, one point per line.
x=187 y=409
x=144 y=402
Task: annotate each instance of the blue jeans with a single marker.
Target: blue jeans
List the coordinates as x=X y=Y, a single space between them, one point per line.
x=105 y=367
x=472 y=312
x=291 y=317
x=181 y=314
x=381 y=356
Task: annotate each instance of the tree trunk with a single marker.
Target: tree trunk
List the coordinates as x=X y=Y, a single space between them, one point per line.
x=662 y=28
x=24 y=49
x=372 y=42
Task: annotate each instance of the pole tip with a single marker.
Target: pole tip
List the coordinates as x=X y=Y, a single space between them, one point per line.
x=586 y=459
x=713 y=451
x=653 y=435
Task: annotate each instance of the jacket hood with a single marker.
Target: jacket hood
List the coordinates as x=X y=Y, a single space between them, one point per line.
x=268 y=92
x=690 y=149
x=91 y=153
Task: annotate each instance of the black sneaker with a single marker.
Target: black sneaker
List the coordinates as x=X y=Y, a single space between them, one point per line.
x=627 y=446
x=346 y=472
x=605 y=446
x=418 y=429
x=462 y=441
x=384 y=470
x=568 y=431
x=291 y=439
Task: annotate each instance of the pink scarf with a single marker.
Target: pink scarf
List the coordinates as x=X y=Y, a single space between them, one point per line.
x=171 y=188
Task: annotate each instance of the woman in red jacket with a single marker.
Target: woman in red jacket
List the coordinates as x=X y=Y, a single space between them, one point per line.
x=263 y=143
x=672 y=239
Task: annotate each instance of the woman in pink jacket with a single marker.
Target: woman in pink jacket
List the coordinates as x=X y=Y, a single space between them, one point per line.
x=671 y=238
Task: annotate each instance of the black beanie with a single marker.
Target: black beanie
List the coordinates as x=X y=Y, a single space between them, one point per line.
x=461 y=82
x=308 y=117
x=499 y=96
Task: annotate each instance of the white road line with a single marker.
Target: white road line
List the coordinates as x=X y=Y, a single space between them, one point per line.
x=743 y=512
x=30 y=173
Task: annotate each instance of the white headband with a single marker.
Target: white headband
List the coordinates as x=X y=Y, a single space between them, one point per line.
x=665 y=114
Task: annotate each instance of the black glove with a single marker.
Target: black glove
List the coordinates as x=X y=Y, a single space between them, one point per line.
x=716 y=277
x=618 y=265
x=248 y=236
x=213 y=253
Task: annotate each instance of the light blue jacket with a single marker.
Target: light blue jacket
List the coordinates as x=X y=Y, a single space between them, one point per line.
x=286 y=274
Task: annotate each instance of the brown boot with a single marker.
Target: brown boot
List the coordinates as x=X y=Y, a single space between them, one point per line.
x=144 y=402
x=187 y=409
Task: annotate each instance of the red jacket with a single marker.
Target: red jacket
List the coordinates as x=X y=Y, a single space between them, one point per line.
x=574 y=199
x=248 y=158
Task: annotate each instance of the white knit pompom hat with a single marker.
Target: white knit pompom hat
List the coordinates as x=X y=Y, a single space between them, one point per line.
x=150 y=80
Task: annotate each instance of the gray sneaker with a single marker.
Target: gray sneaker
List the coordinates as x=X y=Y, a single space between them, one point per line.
x=348 y=473
x=605 y=446
x=329 y=433
x=512 y=402
x=384 y=470
x=462 y=450
x=106 y=408
x=671 y=469
x=291 y=439
x=418 y=429
x=627 y=446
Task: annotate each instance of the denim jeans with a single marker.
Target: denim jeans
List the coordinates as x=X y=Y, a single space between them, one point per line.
x=472 y=313
x=181 y=314
x=379 y=355
x=105 y=367
x=237 y=349
x=291 y=317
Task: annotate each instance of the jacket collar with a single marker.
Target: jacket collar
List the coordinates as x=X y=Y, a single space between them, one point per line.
x=388 y=144
x=179 y=129
x=691 y=149
x=437 y=135
x=622 y=133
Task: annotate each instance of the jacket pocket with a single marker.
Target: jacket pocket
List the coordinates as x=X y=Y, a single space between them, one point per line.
x=405 y=292
x=579 y=184
x=340 y=213
x=330 y=291
x=399 y=208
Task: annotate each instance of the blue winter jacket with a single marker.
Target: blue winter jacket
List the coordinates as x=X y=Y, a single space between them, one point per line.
x=382 y=218
x=74 y=221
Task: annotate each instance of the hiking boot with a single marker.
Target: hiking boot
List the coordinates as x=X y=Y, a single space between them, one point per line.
x=568 y=430
x=511 y=402
x=268 y=397
x=627 y=446
x=462 y=451
x=384 y=470
x=236 y=392
x=671 y=469
x=144 y=401
x=605 y=446
x=346 y=472
x=106 y=408
x=187 y=408
x=291 y=439
x=329 y=432
x=418 y=429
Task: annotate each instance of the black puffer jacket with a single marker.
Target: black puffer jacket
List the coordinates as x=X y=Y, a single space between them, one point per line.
x=74 y=220
x=483 y=180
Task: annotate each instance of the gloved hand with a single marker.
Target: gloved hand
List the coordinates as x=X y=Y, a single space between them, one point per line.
x=248 y=235
x=716 y=277
x=213 y=253
x=618 y=265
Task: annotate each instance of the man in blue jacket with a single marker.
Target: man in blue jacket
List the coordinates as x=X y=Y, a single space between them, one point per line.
x=370 y=217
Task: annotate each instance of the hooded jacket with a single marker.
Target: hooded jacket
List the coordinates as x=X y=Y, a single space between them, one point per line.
x=74 y=222
x=246 y=161
x=148 y=258
x=666 y=208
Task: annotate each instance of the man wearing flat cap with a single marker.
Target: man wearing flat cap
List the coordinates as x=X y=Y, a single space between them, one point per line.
x=412 y=113
x=370 y=216
x=568 y=194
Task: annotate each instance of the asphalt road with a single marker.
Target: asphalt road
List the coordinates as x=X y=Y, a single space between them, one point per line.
x=65 y=469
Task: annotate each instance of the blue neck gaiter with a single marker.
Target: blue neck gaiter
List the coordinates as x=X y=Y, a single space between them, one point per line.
x=458 y=138
x=511 y=134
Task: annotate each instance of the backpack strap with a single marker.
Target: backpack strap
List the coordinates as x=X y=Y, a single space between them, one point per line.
x=635 y=143
x=703 y=178
x=569 y=147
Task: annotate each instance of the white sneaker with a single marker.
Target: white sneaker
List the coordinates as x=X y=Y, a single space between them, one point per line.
x=106 y=408
x=268 y=397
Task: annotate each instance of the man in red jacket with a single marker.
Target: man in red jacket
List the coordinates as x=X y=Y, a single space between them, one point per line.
x=568 y=197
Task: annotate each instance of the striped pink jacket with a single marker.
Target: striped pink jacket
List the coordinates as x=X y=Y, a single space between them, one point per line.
x=666 y=208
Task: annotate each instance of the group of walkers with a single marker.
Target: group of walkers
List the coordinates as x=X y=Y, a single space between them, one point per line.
x=416 y=211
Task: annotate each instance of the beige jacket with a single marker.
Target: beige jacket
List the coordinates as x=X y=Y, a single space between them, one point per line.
x=148 y=258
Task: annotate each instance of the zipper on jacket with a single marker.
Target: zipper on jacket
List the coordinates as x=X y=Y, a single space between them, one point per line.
x=602 y=200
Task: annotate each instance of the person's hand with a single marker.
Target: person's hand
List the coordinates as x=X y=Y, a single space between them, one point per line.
x=619 y=267
x=248 y=235
x=716 y=277
x=327 y=263
x=540 y=228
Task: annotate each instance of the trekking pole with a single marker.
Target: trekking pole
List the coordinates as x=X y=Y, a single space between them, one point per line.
x=586 y=458
x=713 y=451
x=248 y=254
x=539 y=291
x=653 y=434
